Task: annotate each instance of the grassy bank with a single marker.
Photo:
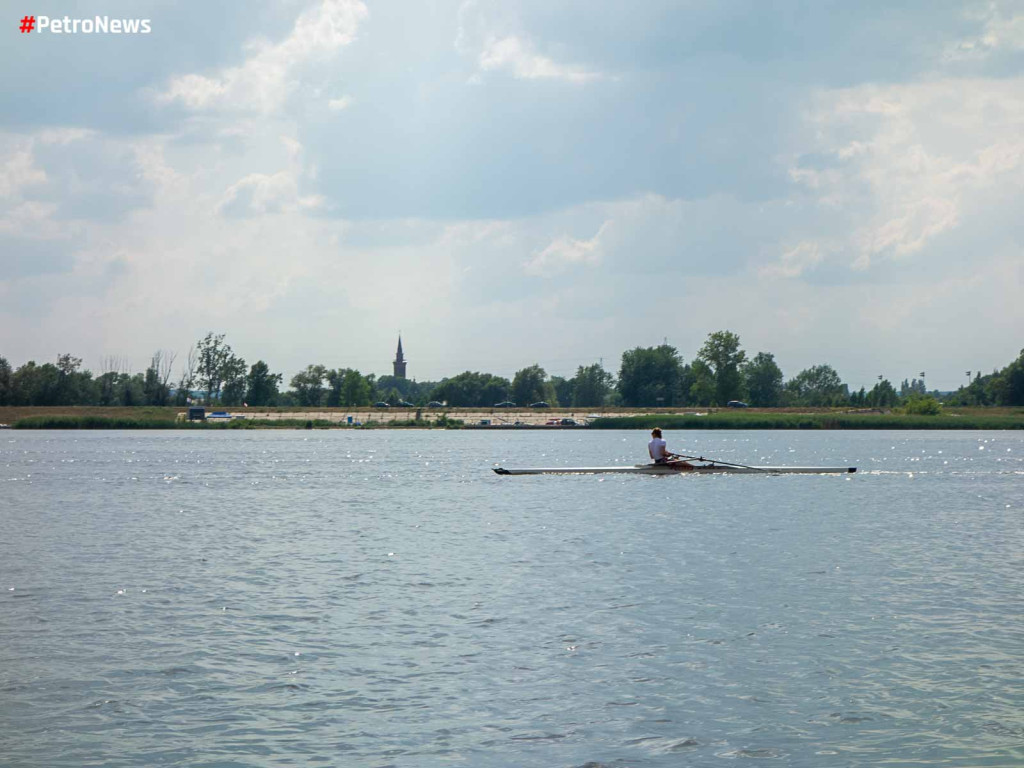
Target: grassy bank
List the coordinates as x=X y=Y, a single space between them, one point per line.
x=91 y=422
x=64 y=421
x=88 y=417
x=768 y=420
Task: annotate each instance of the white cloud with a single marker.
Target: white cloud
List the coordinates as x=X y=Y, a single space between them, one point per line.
x=259 y=193
x=18 y=171
x=899 y=205
x=795 y=261
x=337 y=105
x=565 y=252
x=909 y=160
x=517 y=56
x=63 y=136
x=1003 y=32
x=31 y=218
x=261 y=82
x=262 y=193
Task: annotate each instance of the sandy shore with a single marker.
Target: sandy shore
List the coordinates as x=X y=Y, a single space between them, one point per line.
x=495 y=417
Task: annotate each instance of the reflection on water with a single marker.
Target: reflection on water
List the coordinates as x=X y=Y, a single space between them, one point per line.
x=382 y=598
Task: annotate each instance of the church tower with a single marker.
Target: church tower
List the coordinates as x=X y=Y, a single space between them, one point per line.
x=399 y=360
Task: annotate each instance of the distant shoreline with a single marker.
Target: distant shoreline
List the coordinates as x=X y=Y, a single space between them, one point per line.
x=97 y=417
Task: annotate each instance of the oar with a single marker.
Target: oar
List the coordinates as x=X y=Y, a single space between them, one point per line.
x=723 y=463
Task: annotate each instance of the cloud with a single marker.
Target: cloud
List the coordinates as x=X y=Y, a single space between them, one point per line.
x=908 y=161
x=795 y=261
x=261 y=82
x=501 y=40
x=30 y=218
x=260 y=193
x=18 y=171
x=1003 y=32
x=337 y=105
x=796 y=180
x=566 y=252
x=517 y=56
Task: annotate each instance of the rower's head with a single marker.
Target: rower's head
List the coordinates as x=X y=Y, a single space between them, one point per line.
x=656 y=432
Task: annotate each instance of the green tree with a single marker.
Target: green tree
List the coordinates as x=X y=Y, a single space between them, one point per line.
x=386 y=385
x=35 y=384
x=131 y=388
x=156 y=381
x=261 y=386
x=978 y=392
x=722 y=353
x=763 y=380
x=859 y=398
x=911 y=388
x=106 y=384
x=235 y=381
x=69 y=384
x=495 y=389
x=5 y=382
x=408 y=389
x=356 y=389
x=1007 y=386
x=530 y=385
x=591 y=386
x=651 y=376
x=817 y=386
x=472 y=390
x=308 y=385
x=335 y=379
x=882 y=395
x=187 y=382
x=922 y=405
x=702 y=386
x=213 y=357
x=563 y=390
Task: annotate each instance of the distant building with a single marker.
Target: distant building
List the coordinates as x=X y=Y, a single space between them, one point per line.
x=399 y=360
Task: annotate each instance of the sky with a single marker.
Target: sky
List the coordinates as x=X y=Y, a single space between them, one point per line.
x=510 y=183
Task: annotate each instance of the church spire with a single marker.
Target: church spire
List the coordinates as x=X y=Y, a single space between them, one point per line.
x=399 y=362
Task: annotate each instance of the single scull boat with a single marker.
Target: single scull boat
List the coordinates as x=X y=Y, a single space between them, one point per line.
x=678 y=469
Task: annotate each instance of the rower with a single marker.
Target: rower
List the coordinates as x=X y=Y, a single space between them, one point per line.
x=658 y=449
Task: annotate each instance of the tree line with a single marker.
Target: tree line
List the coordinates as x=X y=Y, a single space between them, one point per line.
x=720 y=372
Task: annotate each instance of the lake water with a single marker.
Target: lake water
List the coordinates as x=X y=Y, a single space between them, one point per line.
x=380 y=598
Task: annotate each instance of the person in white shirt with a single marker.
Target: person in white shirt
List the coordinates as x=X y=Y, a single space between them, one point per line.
x=659 y=451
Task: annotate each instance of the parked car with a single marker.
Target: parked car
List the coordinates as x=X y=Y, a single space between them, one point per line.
x=435 y=404
x=382 y=404
x=405 y=404
x=505 y=404
x=736 y=404
x=552 y=422
x=568 y=422
x=540 y=404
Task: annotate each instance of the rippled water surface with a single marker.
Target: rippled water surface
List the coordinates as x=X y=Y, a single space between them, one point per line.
x=293 y=598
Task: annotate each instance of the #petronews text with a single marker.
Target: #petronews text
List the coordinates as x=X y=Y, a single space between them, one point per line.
x=98 y=25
